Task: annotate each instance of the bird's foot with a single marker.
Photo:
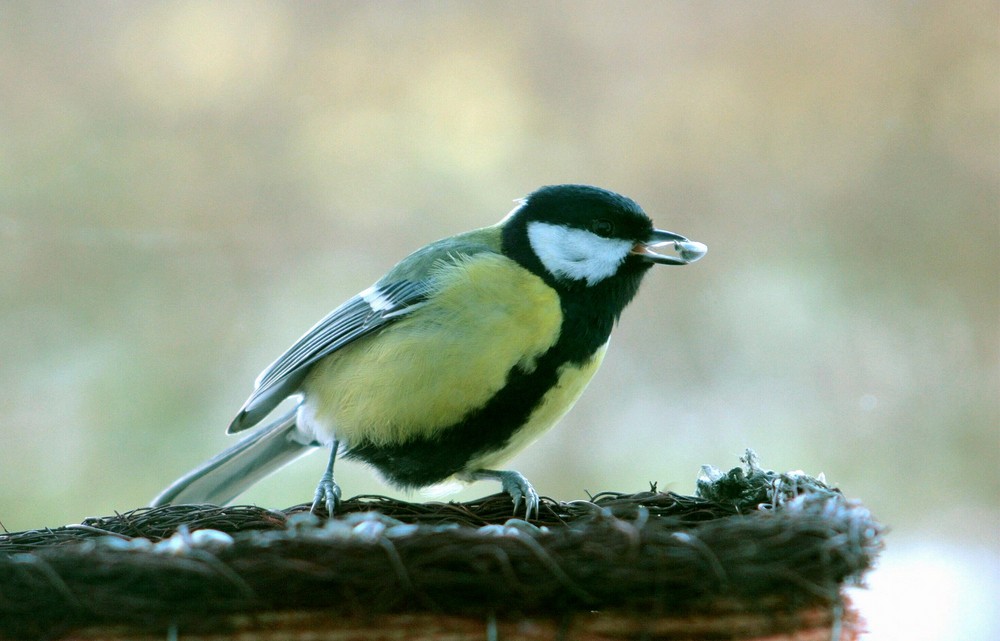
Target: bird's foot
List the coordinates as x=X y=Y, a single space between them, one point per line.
x=514 y=484
x=327 y=494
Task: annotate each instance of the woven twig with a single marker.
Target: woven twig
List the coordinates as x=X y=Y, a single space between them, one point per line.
x=778 y=541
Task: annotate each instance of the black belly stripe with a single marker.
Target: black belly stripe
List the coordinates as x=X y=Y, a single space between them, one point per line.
x=588 y=316
x=422 y=462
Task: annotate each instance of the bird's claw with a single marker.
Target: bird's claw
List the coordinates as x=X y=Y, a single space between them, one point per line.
x=521 y=490
x=327 y=494
x=514 y=484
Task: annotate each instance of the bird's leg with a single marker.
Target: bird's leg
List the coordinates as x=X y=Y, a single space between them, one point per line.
x=515 y=484
x=328 y=491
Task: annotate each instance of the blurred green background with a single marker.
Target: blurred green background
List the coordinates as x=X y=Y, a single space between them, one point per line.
x=186 y=187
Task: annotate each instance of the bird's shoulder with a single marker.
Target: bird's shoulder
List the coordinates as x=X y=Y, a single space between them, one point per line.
x=424 y=263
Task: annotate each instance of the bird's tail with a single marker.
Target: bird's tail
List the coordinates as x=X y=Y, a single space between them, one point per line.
x=225 y=476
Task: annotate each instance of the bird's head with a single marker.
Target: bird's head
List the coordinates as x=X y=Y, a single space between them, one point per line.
x=581 y=236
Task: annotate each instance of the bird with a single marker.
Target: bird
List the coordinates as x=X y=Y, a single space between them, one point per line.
x=459 y=357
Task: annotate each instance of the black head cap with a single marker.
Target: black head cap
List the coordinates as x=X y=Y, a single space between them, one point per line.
x=584 y=207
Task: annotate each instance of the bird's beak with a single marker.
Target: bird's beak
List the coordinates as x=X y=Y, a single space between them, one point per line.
x=688 y=251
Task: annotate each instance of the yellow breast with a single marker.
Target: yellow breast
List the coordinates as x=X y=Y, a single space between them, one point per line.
x=430 y=368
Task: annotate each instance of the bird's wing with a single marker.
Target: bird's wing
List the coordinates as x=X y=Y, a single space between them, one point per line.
x=361 y=315
x=400 y=292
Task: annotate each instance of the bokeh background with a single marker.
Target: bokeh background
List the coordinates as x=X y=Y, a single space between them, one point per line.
x=185 y=187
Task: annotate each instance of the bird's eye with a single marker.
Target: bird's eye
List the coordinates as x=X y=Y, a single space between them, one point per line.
x=603 y=227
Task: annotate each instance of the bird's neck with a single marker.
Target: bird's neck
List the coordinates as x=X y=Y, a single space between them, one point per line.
x=590 y=312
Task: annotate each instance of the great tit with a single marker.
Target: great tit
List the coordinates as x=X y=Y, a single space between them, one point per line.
x=459 y=357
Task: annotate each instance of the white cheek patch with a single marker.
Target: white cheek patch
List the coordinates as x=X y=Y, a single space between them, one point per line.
x=576 y=254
